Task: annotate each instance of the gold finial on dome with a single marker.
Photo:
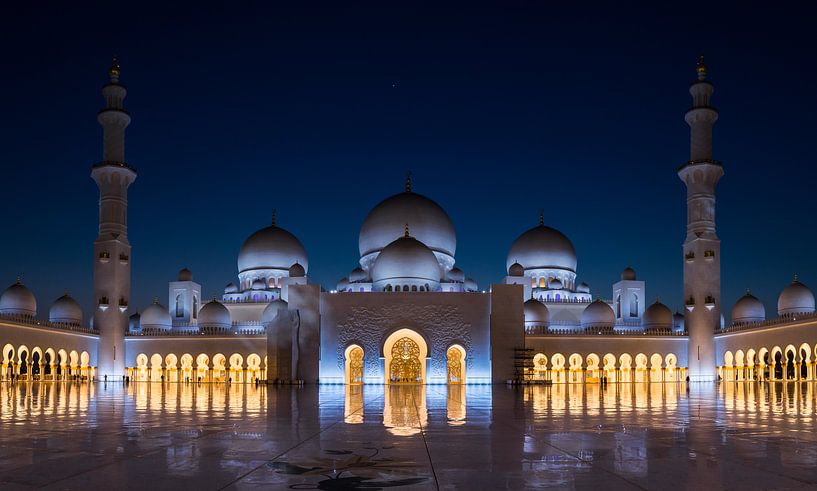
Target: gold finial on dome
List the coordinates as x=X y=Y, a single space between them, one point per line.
x=796 y=278
x=701 y=67
x=19 y=280
x=407 y=231
x=273 y=217
x=408 y=181
x=155 y=300
x=541 y=217
x=115 y=70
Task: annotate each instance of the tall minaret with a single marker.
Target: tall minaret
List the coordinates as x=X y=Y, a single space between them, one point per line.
x=112 y=250
x=702 y=262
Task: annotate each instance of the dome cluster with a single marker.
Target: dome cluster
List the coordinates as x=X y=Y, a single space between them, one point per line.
x=794 y=300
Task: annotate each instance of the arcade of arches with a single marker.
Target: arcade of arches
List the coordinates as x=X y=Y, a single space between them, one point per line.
x=202 y=368
x=35 y=363
x=592 y=368
x=773 y=363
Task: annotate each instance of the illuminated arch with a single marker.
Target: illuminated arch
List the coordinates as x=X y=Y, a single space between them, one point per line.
x=728 y=359
x=354 y=364
x=413 y=353
x=455 y=361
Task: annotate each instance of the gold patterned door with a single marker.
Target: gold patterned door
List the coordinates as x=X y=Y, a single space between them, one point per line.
x=405 y=362
x=356 y=366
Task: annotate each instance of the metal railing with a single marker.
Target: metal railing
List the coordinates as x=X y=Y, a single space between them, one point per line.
x=32 y=322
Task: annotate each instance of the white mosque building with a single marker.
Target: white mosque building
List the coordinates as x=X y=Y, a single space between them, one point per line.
x=406 y=313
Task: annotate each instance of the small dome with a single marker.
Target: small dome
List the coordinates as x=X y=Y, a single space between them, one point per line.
x=271 y=248
x=748 y=309
x=259 y=284
x=357 y=275
x=657 y=316
x=18 y=300
x=343 y=284
x=628 y=274
x=598 y=315
x=231 y=288
x=583 y=288
x=297 y=271
x=543 y=247
x=536 y=313
x=215 y=315
x=516 y=269
x=456 y=275
x=470 y=285
x=185 y=275
x=156 y=317
x=556 y=284
x=65 y=310
x=271 y=311
x=406 y=261
x=795 y=299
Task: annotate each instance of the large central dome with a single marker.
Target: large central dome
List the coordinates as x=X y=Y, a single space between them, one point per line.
x=271 y=248
x=429 y=224
x=543 y=247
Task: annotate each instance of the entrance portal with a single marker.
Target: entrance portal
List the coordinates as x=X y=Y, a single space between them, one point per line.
x=405 y=354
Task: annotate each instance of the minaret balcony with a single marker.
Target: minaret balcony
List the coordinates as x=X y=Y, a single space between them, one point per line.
x=123 y=305
x=123 y=258
x=103 y=304
x=709 y=255
x=709 y=303
x=689 y=257
x=104 y=256
x=690 y=304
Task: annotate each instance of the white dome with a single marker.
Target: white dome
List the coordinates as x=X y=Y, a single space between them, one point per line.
x=271 y=248
x=357 y=275
x=231 y=288
x=259 y=284
x=628 y=274
x=297 y=271
x=542 y=247
x=18 y=300
x=536 y=313
x=657 y=316
x=748 y=309
x=583 y=288
x=556 y=284
x=271 y=311
x=598 y=315
x=456 y=275
x=516 y=269
x=406 y=261
x=156 y=316
x=429 y=224
x=214 y=314
x=65 y=310
x=343 y=284
x=185 y=275
x=795 y=299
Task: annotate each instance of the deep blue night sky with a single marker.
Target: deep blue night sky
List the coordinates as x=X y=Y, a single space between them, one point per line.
x=498 y=111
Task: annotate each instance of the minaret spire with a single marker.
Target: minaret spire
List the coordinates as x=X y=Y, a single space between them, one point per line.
x=112 y=250
x=407 y=232
x=701 y=250
x=408 y=181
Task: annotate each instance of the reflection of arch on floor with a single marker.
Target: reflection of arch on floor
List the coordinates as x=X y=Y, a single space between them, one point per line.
x=405 y=353
x=591 y=369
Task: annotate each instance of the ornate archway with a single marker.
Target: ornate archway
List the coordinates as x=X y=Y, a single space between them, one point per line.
x=455 y=358
x=354 y=364
x=405 y=353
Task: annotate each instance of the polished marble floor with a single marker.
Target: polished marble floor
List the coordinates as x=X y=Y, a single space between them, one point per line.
x=647 y=436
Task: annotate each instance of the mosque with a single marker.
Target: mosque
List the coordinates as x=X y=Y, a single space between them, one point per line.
x=406 y=313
